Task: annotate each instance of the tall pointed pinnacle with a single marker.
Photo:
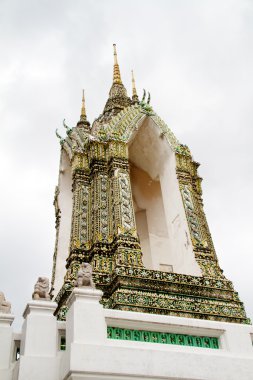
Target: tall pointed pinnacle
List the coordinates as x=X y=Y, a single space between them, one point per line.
x=134 y=92
x=118 y=98
x=116 y=72
x=83 y=110
x=83 y=117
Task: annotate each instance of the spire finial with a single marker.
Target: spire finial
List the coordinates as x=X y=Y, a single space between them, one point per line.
x=83 y=111
x=116 y=72
x=134 y=92
x=118 y=98
x=83 y=118
x=115 y=55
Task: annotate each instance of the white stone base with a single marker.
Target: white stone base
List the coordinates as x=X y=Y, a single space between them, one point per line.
x=120 y=359
x=116 y=362
x=6 y=346
x=38 y=355
x=85 y=322
x=91 y=355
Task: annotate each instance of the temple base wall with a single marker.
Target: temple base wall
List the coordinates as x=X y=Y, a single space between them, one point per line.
x=112 y=344
x=6 y=346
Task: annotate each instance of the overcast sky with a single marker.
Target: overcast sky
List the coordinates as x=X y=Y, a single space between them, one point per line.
x=196 y=59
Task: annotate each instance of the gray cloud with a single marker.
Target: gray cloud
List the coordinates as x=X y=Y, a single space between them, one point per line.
x=196 y=59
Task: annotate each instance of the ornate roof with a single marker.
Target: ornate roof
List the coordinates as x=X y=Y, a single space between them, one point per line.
x=120 y=128
x=118 y=98
x=122 y=116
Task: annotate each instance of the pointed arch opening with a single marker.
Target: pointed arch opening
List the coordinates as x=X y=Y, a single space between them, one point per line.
x=160 y=218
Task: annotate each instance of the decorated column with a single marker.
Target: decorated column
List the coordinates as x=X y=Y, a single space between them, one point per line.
x=128 y=250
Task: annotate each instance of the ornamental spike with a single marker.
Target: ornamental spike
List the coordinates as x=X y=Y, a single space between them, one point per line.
x=144 y=95
x=149 y=98
x=116 y=72
x=69 y=130
x=83 y=116
x=133 y=85
x=57 y=134
x=59 y=137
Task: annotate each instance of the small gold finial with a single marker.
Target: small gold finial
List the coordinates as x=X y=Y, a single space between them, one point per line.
x=115 y=55
x=83 y=111
x=83 y=122
x=116 y=72
x=134 y=92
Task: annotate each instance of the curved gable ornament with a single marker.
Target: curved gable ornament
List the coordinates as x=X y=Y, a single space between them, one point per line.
x=128 y=121
x=76 y=142
x=120 y=128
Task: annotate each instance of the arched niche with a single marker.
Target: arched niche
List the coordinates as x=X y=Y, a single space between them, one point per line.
x=159 y=211
x=64 y=232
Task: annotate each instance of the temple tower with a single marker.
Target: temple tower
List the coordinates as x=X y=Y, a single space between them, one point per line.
x=129 y=202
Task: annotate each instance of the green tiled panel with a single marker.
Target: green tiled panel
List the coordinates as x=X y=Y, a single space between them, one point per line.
x=162 y=337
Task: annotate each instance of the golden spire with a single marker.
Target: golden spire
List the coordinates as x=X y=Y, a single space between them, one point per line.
x=116 y=72
x=118 y=98
x=83 y=118
x=83 y=111
x=134 y=92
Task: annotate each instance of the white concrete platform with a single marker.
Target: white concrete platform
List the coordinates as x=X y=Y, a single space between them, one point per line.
x=91 y=355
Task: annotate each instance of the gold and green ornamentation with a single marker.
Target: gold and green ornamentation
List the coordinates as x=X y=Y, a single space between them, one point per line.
x=104 y=233
x=177 y=305
x=57 y=226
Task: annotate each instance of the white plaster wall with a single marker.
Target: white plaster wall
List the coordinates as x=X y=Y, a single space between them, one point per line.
x=142 y=228
x=184 y=259
x=90 y=355
x=118 y=359
x=153 y=231
x=6 y=346
x=134 y=361
x=38 y=354
x=65 y=204
x=234 y=338
x=168 y=230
